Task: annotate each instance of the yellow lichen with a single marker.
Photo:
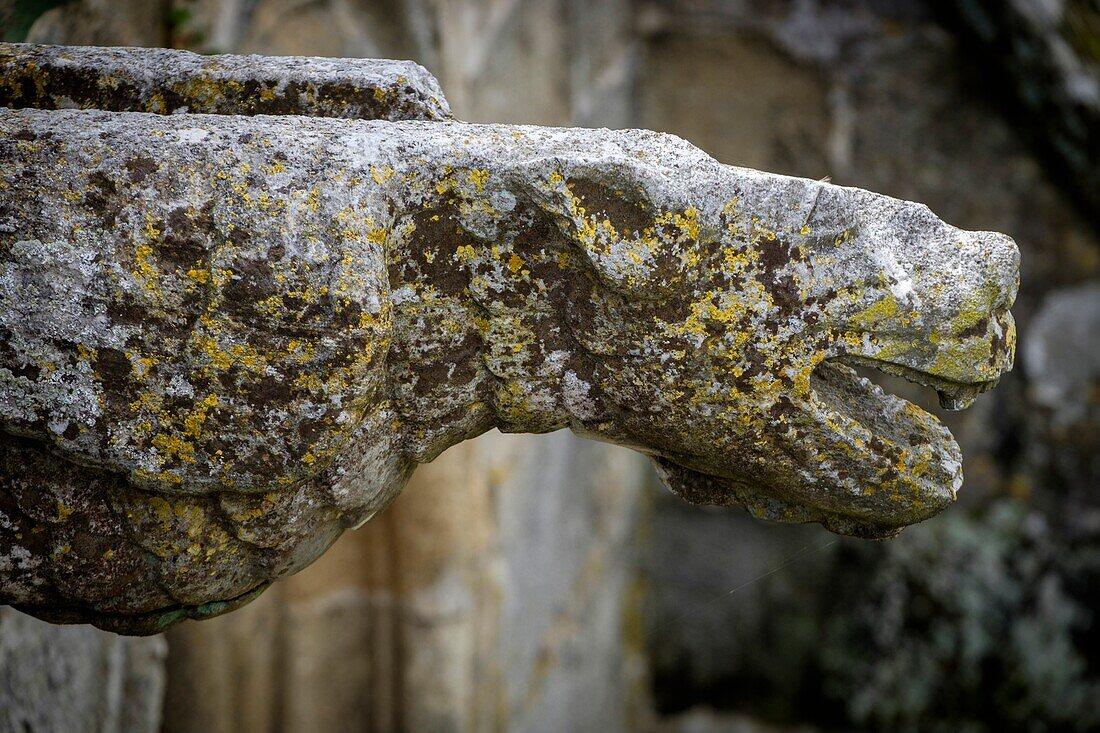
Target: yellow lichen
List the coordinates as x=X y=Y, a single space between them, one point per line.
x=381 y=175
x=479 y=177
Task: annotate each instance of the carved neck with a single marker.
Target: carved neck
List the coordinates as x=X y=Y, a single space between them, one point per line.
x=481 y=338
x=494 y=239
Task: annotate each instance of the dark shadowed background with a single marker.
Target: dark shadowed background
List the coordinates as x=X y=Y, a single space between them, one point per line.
x=545 y=583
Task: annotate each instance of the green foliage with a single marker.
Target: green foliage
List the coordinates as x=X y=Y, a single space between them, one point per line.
x=963 y=625
x=16 y=22
x=184 y=31
x=1082 y=28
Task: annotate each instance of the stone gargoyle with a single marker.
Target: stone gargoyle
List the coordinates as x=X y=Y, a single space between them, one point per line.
x=241 y=298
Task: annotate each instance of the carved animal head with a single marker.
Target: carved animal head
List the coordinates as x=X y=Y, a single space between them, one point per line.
x=732 y=323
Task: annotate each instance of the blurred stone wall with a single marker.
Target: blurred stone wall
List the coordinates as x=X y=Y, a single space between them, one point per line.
x=77 y=678
x=492 y=595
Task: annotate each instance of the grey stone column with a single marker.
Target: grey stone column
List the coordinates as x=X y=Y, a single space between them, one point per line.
x=77 y=679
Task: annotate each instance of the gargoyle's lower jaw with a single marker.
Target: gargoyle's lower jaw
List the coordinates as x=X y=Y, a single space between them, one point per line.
x=902 y=465
x=765 y=502
x=860 y=461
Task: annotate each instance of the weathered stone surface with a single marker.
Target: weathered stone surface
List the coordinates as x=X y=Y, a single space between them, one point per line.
x=248 y=330
x=543 y=525
x=175 y=82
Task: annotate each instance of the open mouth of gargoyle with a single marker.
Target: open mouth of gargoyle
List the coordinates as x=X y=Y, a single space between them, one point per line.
x=856 y=392
x=859 y=387
x=952 y=395
x=867 y=463
x=869 y=426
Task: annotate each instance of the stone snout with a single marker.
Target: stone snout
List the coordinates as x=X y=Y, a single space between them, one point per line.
x=923 y=300
x=932 y=308
x=741 y=387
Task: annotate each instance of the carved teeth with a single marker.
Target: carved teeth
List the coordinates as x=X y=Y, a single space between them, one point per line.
x=953 y=396
x=950 y=402
x=958 y=398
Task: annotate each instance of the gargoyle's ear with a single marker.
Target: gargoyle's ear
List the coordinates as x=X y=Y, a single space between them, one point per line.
x=613 y=212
